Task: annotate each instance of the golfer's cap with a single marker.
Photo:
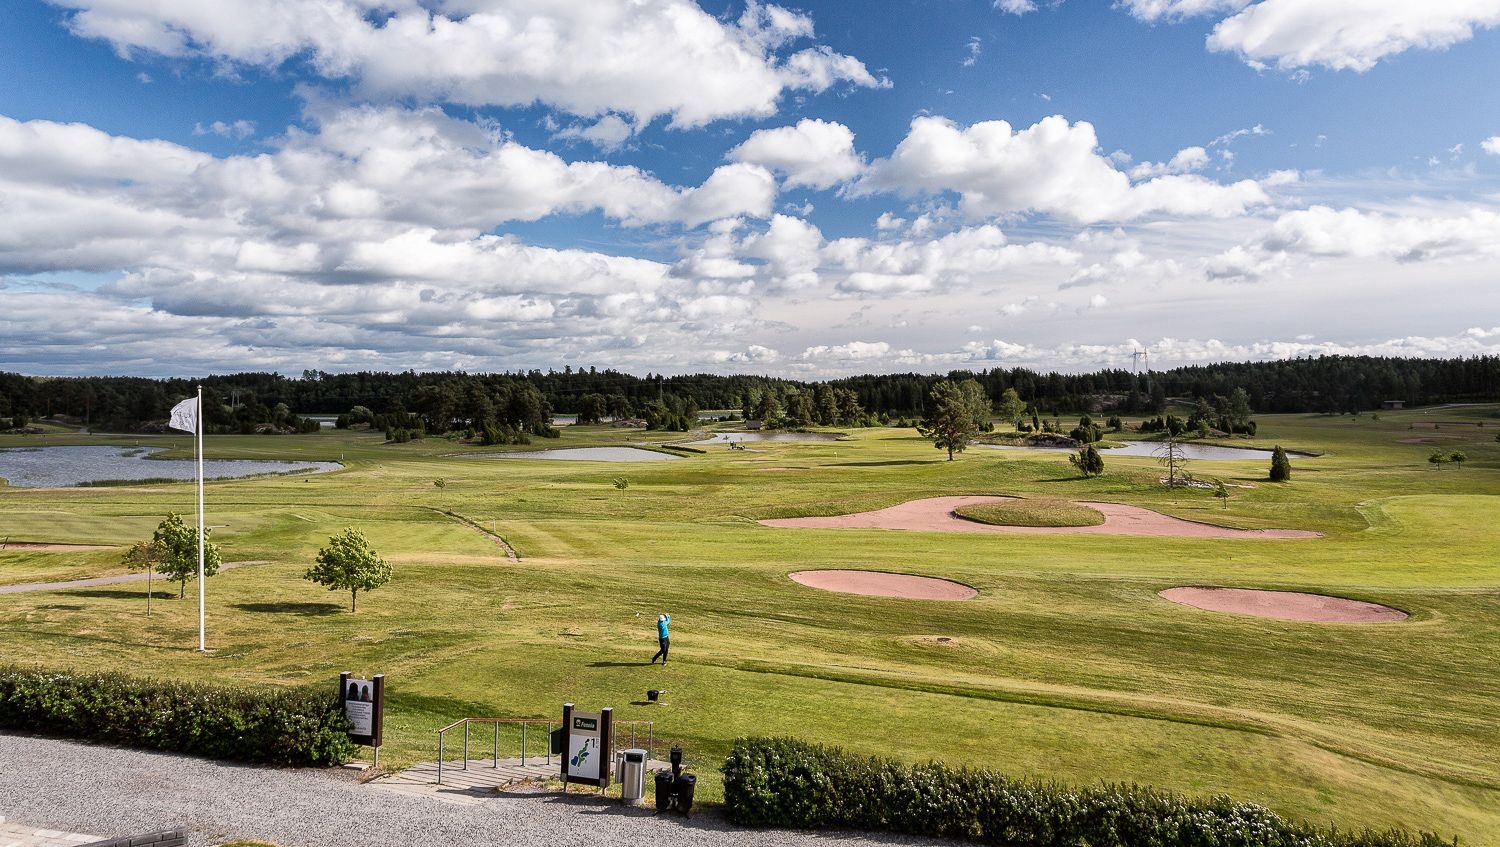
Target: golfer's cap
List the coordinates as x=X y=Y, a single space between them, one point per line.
x=661 y=617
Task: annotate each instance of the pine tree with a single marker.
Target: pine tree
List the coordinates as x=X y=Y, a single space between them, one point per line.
x=1281 y=466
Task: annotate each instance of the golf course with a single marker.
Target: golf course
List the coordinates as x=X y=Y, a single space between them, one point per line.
x=520 y=584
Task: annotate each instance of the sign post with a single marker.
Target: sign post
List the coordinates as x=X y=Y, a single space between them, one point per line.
x=364 y=705
x=586 y=753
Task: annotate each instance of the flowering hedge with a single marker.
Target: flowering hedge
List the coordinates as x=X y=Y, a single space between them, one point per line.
x=276 y=726
x=783 y=782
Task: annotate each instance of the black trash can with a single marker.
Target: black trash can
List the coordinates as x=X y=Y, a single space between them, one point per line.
x=683 y=787
x=663 y=790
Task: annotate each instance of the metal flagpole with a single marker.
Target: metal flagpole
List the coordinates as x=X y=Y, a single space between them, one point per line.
x=202 y=646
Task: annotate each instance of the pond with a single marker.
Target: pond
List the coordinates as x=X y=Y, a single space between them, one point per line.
x=736 y=437
x=61 y=467
x=583 y=454
x=1153 y=448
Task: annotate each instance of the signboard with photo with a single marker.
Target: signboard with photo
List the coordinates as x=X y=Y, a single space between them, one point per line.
x=364 y=705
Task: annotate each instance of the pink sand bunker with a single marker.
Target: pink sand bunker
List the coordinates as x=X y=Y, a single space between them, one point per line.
x=1284 y=605
x=879 y=584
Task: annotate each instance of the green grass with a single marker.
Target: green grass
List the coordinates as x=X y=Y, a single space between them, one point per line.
x=1027 y=512
x=1067 y=665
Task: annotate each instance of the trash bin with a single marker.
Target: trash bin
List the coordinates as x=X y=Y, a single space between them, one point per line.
x=663 y=790
x=630 y=766
x=556 y=744
x=682 y=790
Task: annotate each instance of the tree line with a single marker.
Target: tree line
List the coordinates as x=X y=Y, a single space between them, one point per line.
x=523 y=402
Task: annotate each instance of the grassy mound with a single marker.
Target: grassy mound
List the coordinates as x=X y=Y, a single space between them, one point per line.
x=1034 y=512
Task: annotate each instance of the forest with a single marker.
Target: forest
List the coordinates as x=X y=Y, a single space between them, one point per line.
x=511 y=406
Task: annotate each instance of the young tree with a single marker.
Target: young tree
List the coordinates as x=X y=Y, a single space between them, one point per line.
x=1458 y=458
x=1088 y=461
x=950 y=418
x=175 y=548
x=1281 y=466
x=1439 y=458
x=349 y=564
x=1221 y=491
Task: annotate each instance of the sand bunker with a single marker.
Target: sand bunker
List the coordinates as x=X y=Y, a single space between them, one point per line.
x=1284 y=605
x=877 y=584
x=935 y=514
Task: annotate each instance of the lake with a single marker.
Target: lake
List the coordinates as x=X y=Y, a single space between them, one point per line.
x=583 y=454
x=736 y=437
x=62 y=467
x=1152 y=448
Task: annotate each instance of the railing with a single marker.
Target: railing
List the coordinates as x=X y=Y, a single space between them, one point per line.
x=619 y=728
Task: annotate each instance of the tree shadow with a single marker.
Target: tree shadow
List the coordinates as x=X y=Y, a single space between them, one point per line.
x=891 y=463
x=296 y=608
x=122 y=594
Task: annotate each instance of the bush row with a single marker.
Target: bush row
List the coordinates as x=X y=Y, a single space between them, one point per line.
x=282 y=727
x=783 y=782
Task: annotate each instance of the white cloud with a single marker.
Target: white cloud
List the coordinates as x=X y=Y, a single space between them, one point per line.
x=645 y=58
x=608 y=133
x=238 y=129
x=1187 y=159
x=1151 y=11
x=1336 y=34
x=1491 y=145
x=1016 y=7
x=1052 y=168
x=814 y=153
x=853 y=351
x=1321 y=232
x=975 y=48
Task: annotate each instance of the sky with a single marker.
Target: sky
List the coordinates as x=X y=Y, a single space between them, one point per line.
x=807 y=189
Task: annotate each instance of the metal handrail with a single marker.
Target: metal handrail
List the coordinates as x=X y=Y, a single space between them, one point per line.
x=524 y=723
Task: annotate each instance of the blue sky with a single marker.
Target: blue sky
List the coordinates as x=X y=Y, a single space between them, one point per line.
x=810 y=189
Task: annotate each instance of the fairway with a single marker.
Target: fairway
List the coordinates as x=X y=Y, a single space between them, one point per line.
x=1067 y=665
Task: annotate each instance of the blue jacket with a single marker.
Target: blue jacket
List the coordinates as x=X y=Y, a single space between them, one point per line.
x=661 y=626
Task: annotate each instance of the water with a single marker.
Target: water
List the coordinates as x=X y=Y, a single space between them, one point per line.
x=61 y=467
x=735 y=437
x=1153 y=448
x=584 y=454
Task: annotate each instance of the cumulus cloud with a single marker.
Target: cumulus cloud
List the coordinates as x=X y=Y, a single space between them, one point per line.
x=854 y=351
x=644 y=58
x=1491 y=145
x=814 y=153
x=237 y=130
x=1325 y=232
x=1016 y=7
x=608 y=133
x=1293 y=34
x=1052 y=167
x=1187 y=159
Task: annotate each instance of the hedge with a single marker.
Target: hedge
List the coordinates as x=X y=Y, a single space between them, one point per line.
x=784 y=782
x=275 y=726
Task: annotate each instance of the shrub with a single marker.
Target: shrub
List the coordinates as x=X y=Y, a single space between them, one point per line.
x=304 y=727
x=783 y=782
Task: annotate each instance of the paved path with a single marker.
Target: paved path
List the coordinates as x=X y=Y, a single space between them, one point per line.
x=481 y=780
x=71 y=787
x=18 y=835
x=104 y=580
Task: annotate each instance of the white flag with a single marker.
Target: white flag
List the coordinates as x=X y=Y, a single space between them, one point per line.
x=185 y=415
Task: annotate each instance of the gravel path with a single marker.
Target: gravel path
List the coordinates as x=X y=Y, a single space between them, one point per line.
x=111 y=792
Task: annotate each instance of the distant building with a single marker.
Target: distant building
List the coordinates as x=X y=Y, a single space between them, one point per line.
x=752 y=424
x=1391 y=404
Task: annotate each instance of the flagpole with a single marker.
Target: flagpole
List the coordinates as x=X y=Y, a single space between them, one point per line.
x=202 y=645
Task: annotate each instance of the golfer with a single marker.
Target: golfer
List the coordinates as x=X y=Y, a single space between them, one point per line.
x=661 y=635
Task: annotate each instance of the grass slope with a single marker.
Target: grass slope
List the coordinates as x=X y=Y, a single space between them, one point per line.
x=1067 y=665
